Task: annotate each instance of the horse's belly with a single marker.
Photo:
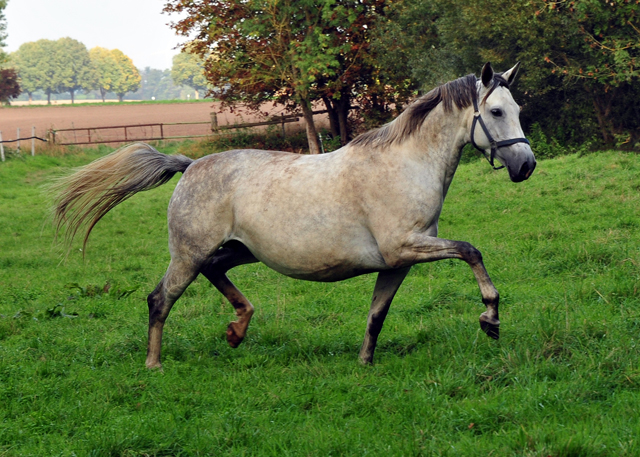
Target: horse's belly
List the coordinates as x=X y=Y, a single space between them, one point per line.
x=329 y=260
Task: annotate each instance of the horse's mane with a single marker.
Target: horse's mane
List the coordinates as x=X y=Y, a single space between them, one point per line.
x=460 y=92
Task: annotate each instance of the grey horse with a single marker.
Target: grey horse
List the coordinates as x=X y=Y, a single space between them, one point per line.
x=371 y=206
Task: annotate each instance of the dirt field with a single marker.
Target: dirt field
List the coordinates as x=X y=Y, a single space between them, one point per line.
x=65 y=117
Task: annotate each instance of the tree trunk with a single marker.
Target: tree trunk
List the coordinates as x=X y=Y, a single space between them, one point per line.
x=103 y=93
x=343 y=106
x=72 y=92
x=48 y=97
x=30 y=97
x=120 y=97
x=602 y=123
x=312 y=134
x=333 y=117
x=197 y=95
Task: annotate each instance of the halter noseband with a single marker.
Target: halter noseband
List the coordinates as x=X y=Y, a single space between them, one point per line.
x=494 y=144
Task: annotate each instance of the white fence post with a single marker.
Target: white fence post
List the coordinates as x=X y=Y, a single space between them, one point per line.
x=1 y=147
x=18 y=138
x=33 y=141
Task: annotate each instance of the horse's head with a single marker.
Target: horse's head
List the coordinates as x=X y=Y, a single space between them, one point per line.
x=496 y=129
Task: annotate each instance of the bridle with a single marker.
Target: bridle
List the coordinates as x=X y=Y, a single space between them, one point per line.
x=494 y=144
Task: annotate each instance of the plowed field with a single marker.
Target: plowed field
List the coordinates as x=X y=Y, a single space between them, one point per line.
x=85 y=117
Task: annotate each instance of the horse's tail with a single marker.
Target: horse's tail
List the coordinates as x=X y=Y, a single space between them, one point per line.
x=82 y=198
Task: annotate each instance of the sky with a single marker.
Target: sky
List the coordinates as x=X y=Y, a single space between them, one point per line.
x=136 y=27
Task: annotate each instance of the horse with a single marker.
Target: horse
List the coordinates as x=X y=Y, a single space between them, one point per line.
x=371 y=206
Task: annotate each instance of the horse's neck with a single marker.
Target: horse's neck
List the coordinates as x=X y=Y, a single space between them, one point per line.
x=438 y=144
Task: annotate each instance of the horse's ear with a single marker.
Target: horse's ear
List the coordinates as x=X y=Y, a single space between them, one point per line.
x=487 y=74
x=510 y=75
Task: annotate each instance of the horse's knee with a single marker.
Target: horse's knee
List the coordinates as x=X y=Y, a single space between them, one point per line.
x=469 y=253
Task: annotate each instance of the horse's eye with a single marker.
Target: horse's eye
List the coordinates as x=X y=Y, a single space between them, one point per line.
x=496 y=112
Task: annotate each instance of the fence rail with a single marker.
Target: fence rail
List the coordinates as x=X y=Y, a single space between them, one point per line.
x=33 y=139
x=156 y=131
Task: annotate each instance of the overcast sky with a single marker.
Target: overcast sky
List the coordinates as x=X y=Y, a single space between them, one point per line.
x=136 y=27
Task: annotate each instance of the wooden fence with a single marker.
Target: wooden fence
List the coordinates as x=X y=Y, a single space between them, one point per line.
x=139 y=132
x=151 y=132
x=33 y=139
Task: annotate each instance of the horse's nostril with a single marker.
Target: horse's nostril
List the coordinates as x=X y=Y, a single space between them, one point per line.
x=531 y=169
x=524 y=170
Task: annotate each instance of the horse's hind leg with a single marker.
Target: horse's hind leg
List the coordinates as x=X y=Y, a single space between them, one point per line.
x=178 y=276
x=386 y=287
x=229 y=256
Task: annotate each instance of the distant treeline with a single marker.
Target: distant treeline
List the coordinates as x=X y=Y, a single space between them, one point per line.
x=64 y=69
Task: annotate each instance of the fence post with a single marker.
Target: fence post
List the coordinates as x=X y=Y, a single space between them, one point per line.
x=33 y=141
x=1 y=147
x=18 y=137
x=214 y=122
x=283 y=130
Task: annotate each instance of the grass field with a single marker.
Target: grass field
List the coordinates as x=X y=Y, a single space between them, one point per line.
x=564 y=379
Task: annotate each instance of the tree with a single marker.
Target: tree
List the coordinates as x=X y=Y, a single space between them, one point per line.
x=74 y=69
x=3 y=27
x=604 y=60
x=187 y=70
x=106 y=70
x=9 y=83
x=114 y=72
x=127 y=77
x=38 y=68
x=560 y=43
x=9 y=86
x=26 y=60
x=292 y=52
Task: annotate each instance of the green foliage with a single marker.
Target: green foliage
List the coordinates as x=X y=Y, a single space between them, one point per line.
x=35 y=62
x=293 y=53
x=106 y=71
x=65 y=65
x=3 y=27
x=542 y=146
x=127 y=78
x=241 y=139
x=73 y=66
x=562 y=380
x=187 y=70
x=579 y=58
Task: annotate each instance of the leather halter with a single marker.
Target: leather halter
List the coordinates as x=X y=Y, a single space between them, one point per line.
x=494 y=144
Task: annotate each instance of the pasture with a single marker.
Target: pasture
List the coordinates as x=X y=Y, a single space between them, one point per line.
x=563 y=249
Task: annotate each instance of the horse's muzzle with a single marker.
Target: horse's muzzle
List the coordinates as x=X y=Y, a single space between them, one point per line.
x=525 y=170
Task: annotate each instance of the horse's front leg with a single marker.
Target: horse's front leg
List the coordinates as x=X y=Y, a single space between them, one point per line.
x=386 y=287
x=422 y=248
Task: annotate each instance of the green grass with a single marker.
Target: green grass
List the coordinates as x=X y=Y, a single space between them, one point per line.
x=564 y=379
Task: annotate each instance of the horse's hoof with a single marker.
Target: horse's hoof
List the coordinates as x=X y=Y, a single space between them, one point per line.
x=232 y=337
x=490 y=326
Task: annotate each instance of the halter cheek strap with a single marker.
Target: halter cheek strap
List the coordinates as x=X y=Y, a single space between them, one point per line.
x=494 y=144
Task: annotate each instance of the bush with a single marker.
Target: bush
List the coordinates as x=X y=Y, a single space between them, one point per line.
x=244 y=139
